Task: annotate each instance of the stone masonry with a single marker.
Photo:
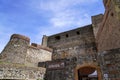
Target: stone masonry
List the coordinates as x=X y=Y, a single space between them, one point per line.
x=19 y=59
x=72 y=55
x=109 y=33
x=70 y=49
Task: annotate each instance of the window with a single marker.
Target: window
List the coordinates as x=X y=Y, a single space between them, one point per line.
x=57 y=37
x=67 y=35
x=78 y=33
x=112 y=14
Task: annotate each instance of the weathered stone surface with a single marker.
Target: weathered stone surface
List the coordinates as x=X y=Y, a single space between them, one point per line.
x=37 y=55
x=15 y=50
x=71 y=48
x=13 y=73
x=60 y=72
x=64 y=69
x=78 y=42
x=19 y=71
x=96 y=22
x=19 y=59
x=108 y=36
x=74 y=52
x=110 y=63
x=18 y=50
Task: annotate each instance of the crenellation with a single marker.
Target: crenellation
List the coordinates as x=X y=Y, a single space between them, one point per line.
x=38 y=46
x=20 y=37
x=73 y=34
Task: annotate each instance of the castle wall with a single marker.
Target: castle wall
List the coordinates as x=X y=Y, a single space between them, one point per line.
x=108 y=41
x=10 y=71
x=73 y=43
x=37 y=54
x=16 y=49
x=110 y=64
x=109 y=33
x=70 y=49
x=96 y=21
x=19 y=50
x=19 y=60
x=65 y=70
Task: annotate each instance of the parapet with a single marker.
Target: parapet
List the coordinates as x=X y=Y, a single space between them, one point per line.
x=19 y=50
x=37 y=46
x=20 y=37
x=97 y=19
x=96 y=22
x=71 y=37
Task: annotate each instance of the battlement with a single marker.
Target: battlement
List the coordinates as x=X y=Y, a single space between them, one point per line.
x=19 y=46
x=33 y=45
x=37 y=46
x=69 y=38
x=20 y=37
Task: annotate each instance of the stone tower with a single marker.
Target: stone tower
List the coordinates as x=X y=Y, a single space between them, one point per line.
x=44 y=41
x=108 y=40
x=19 y=60
x=108 y=34
x=15 y=50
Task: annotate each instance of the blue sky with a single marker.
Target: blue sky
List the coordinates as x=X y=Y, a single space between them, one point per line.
x=35 y=18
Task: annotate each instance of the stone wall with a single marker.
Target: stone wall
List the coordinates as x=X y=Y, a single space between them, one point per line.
x=65 y=69
x=108 y=36
x=110 y=64
x=19 y=59
x=70 y=48
x=63 y=72
x=37 y=54
x=19 y=72
x=96 y=21
x=16 y=49
x=73 y=43
x=19 y=50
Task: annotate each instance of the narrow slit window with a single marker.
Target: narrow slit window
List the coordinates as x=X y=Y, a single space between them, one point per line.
x=67 y=35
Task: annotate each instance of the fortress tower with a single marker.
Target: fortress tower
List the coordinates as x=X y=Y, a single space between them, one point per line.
x=108 y=35
x=86 y=53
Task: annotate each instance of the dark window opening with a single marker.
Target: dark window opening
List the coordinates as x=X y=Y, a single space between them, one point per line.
x=112 y=14
x=78 y=33
x=57 y=37
x=67 y=35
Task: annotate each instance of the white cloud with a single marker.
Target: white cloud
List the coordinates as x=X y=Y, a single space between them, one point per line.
x=64 y=15
x=62 y=19
x=59 y=5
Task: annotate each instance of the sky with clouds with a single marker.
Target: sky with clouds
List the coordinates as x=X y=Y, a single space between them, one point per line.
x=35 y=18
